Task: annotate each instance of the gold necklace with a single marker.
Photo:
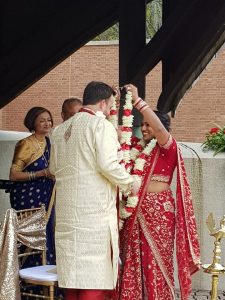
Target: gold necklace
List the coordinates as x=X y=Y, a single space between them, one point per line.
x=39 y=143
x=41 y=147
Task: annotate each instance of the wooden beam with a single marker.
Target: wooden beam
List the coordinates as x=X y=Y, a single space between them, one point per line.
x=153 y=52
x=197 y=48
x=168 y=9
x=51 y=36
x=132 y=37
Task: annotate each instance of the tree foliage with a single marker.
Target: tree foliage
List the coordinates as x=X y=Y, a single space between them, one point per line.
x=153 y=18
x=153 y=23
x=112 y=33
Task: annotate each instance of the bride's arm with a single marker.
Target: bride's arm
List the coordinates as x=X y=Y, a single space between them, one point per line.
x=160 y=132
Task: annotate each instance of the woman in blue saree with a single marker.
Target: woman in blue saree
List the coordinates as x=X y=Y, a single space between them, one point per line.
x=33 y=181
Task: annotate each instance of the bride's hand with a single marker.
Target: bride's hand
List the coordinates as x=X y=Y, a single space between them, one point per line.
x=117 y=95
x=133 y=89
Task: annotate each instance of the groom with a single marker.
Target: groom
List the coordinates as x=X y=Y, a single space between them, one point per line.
x=84 y=160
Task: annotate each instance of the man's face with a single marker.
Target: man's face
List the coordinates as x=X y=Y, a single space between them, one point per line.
x=70 y=110
x=107 y=106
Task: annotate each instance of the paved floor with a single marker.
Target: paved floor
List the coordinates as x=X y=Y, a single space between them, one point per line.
x=202 y=295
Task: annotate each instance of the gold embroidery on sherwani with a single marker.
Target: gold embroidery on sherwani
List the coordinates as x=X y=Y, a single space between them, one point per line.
x=67 y=133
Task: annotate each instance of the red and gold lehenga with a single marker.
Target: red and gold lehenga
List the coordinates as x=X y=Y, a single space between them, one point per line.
x=147 y=238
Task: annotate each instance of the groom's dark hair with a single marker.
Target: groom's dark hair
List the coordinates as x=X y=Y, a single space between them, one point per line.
x=96 y=91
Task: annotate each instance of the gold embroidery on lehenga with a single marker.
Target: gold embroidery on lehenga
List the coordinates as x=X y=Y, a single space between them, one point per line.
x=168 y=206
x=160 y=178
x=128 y=279
x=151 y=242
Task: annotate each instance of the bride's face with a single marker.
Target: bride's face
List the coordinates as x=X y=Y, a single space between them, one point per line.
x=147 y=132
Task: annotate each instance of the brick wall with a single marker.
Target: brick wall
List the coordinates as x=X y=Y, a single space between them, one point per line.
x=1 y=125
x=201 y=106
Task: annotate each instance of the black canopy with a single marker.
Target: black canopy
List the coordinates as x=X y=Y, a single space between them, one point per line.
x=38 y=35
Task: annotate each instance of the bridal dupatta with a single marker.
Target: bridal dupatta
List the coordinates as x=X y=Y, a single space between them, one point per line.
x=187 y=245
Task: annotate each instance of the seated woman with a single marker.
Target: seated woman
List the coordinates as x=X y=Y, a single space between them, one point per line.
x=29 y=170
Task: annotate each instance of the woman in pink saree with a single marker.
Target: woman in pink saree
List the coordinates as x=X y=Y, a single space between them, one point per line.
x=148 y=235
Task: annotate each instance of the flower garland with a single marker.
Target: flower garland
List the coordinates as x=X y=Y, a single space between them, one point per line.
x=113 y=117
x=126 y=133
x=135 y=157
x=127 y=207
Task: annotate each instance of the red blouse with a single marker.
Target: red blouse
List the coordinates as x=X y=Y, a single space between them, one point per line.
x=166 y=162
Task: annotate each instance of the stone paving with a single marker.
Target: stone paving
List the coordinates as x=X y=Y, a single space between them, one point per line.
x=202 y=295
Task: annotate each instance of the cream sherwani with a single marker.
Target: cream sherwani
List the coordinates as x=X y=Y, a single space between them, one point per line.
x=84 y=159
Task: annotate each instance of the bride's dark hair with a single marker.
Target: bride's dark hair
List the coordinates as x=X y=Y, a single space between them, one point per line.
x=164 y=118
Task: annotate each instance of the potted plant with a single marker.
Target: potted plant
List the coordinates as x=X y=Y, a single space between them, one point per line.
x=215 y=140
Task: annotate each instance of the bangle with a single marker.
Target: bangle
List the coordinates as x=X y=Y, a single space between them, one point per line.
x=140 y=105
x=31 y=175
x=144 y=108
x=46 y=174
x=137 y=101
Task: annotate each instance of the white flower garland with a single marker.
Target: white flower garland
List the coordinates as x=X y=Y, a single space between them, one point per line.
x=137 y=154
x=113 y=117
x=126 y=133
x=134 y=151
x=127 y=207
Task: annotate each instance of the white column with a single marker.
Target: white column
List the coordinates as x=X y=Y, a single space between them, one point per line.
x=8 y=140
